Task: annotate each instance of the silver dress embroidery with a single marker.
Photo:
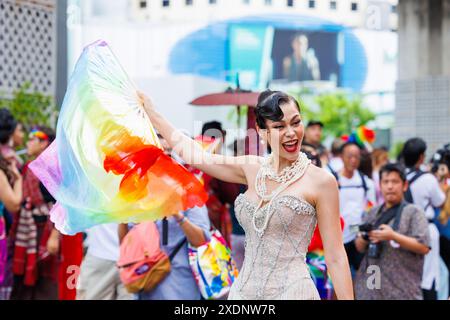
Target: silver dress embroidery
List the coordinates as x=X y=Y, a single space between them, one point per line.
x=274 y=266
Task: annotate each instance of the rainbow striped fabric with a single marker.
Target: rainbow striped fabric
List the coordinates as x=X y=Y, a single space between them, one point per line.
x=107 y=164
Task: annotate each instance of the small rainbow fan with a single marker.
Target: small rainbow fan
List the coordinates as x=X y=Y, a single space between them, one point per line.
x=107 y=164
x=362 y=136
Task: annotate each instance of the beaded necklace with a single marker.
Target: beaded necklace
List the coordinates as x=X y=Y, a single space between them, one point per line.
x=286 y=177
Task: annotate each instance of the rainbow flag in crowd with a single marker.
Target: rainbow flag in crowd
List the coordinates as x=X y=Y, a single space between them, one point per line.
x=362 y=136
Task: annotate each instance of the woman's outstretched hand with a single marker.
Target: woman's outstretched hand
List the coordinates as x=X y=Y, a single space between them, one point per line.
x=147 y=104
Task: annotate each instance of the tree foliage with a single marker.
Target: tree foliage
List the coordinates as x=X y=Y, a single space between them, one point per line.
x=31 y=107
x=339 y=113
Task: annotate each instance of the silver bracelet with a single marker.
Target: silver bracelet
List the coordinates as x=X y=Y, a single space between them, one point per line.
x=182 y=220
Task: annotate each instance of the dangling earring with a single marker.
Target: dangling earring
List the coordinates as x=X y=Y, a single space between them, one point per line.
x=262 y=141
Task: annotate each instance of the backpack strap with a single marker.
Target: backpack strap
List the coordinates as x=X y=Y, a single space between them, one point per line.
x=408 y=193
x=165 y=235
x=335 y=174
x=418 y=174
x=165 y=231
x=177 y=248
x=364 y=183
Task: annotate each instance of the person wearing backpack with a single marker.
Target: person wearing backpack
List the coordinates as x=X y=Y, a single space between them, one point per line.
x=191 y=226
x=356 y=194
x=424 y=190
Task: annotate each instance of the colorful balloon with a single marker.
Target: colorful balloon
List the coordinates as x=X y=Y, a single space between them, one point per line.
x=107 y=164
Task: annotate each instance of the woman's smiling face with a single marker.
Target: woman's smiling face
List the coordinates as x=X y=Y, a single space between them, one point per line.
x=285 y=136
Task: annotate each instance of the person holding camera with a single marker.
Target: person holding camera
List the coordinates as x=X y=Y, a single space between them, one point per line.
x=394 y=239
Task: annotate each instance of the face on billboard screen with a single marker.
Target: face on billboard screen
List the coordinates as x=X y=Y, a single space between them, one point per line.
x=305 y=56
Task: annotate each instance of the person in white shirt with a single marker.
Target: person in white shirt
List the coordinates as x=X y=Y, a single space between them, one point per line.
x=424 y=191
x=335 y=163
x=99 y=276
x=356 y=194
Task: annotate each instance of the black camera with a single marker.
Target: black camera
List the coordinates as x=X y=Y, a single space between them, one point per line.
x=374 y=249
x=364 y=229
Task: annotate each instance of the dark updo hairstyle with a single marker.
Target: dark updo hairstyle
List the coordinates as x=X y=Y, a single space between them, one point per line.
x=7 y=125
x=268 y=107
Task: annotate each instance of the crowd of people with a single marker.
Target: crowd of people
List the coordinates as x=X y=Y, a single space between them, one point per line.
x=33 y=254
x=394 y=218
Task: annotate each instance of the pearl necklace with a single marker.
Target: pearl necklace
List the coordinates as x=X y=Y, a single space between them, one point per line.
x=287 y=176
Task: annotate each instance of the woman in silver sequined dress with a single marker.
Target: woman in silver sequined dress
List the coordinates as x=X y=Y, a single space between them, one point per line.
x=286 y=198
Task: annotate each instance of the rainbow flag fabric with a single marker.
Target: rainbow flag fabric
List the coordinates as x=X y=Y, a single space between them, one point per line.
x=107 y=164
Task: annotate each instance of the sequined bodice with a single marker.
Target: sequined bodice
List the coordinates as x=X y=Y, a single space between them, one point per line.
x=276 y=244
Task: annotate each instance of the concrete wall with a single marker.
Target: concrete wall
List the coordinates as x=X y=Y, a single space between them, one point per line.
x=422 y=91
x=424 y=38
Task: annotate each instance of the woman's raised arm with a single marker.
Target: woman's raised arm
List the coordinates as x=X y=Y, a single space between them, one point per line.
x=226 y=168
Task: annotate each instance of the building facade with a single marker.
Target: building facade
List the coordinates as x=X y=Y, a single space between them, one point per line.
x=370 y=14
x=208 y=44
x=32 y=46
x=423 y=86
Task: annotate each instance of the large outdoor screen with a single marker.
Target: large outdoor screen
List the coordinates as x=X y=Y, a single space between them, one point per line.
x=305 y=56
